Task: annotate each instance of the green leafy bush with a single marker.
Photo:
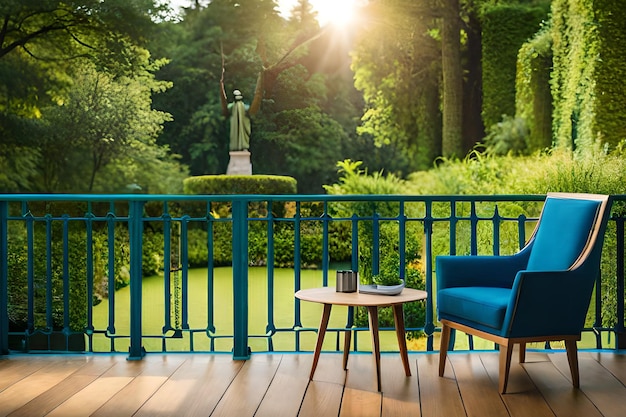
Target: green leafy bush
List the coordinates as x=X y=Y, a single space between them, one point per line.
x=354 y=180
x=590 y=171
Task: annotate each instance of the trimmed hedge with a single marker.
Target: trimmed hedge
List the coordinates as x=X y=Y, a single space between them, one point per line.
x=240 y=184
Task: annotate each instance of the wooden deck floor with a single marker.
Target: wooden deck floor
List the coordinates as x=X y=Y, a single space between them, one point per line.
x=277 y=385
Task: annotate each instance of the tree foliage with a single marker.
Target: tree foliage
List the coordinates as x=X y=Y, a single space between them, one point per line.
x=78 y=118
x=397 y=68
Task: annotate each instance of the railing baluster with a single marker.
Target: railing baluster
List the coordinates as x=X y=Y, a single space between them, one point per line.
x=473 y=229
x=184 y=262
x=210 y=275
x=110 y=220
x=49 y=319
x=89 y=225
x=170 y=264
x=496 y=231
x=66 y=275
x=30 y=272
x=4 y=278
x=270 y=328
x=429 y=326
x=620 y=331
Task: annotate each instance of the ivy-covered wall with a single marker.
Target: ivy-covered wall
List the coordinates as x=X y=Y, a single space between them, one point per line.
x=610 y=120
x=533 y=100
x=505 y=28
x=589 y=72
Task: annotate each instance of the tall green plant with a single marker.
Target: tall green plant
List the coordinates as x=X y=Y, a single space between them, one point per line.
x=354 y=180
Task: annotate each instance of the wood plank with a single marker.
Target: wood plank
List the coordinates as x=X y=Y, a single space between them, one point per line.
x=250 y=383
x=89 y=399
x=439 y=396
x=85 y=375
x=15 y=368
x=195 y=388
x=522 y=398
x=321 y=399
x=166 y=385
x=157 y=369
x=361 y=373
x=480 y=394
x=361 y=396
x=36 y=383
x=94 y=395
x=562 y=398
x=330 y=369
x=601 y=387
x=360 y=403
x=46 y=402
x=401 y=396
x=286 y=391
x=614 y=362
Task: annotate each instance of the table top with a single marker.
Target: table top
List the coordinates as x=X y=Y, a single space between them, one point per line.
x=328 y=295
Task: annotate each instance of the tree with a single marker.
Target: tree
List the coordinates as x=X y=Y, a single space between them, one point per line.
x=396 y=66
x=104 y=121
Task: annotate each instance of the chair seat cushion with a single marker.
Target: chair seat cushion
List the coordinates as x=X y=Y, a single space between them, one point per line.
x=483 y=305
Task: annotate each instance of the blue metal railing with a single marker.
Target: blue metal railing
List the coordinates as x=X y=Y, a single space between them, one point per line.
x=60 y=248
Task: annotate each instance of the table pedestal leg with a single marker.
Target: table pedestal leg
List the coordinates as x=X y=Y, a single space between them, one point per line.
x=346 y=348
x=373 y=319
x=320 y=338
x=398 y=318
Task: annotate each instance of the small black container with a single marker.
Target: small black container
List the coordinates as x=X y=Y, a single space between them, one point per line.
x=347 y=281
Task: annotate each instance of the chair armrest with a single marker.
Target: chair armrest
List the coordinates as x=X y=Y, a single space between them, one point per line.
x=549 y=303
x=478 y=271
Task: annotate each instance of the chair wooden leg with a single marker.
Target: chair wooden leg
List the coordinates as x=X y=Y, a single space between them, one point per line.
x=572 y=358
x=443 y=348
x=522 y=352
x=505 y=365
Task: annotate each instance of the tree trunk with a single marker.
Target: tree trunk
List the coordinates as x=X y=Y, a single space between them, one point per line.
x=452 y=141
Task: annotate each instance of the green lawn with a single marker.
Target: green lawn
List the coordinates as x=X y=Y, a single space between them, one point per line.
x=153 y=313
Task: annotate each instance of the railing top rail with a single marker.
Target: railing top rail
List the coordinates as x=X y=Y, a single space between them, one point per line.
x=272 y=197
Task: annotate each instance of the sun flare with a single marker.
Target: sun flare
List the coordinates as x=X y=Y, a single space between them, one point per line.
x=335 y=12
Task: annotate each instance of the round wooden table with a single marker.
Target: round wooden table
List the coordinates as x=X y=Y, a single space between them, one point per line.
x=328 y=296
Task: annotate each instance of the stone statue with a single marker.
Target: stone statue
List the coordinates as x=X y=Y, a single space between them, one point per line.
x=239 y=114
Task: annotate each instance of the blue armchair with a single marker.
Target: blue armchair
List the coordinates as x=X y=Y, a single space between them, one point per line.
x=540 y=294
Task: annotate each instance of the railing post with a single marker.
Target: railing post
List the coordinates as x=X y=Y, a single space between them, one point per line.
x=4 y=277
x=241 y=351
x=135 y=228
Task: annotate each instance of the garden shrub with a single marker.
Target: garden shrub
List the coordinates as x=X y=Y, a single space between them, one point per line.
x=240 y=184
x=561 y=170
x=44 y=318
x=354 y=180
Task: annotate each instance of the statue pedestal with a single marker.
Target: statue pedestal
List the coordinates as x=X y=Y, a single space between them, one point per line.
x=239 y=163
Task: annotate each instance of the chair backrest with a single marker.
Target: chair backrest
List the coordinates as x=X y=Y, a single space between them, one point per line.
x=567 y=231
